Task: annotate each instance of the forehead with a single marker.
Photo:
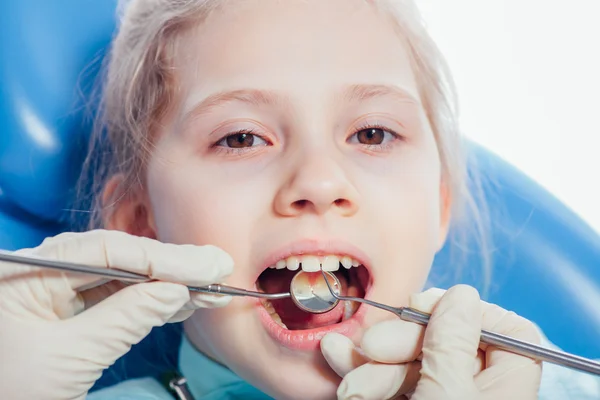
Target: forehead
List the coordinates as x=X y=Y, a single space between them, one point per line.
x=298 y=47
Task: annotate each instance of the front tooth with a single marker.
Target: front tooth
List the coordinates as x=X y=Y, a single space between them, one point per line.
x=331 y=263
x=310 y=263
x=280 y=264
x=355 y=263
x=293 y=263
x=346 y=262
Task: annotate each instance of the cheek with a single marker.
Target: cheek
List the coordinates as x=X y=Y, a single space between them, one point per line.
x=190 y=206
x=410 y=221
x=406 y=208
x=405 y=198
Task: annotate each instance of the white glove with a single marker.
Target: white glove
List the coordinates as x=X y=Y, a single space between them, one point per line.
x=54 y=346
x=445 y=360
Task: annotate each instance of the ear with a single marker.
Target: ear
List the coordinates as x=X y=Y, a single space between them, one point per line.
x=445 y=212
x=127 y=208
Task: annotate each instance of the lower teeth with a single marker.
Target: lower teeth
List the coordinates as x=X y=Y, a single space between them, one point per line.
x=347 y=310
x=350 y=307
x=277 y=320
x=269 y=307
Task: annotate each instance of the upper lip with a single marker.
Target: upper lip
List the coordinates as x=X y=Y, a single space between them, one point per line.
x=316 y=247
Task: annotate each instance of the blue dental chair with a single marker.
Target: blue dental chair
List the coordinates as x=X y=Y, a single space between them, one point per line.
x=545 y=258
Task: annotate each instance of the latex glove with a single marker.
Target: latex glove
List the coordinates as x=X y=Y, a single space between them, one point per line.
x=54 y=345
x=399 y=359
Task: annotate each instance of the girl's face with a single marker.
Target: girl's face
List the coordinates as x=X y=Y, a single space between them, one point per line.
x=300 y=133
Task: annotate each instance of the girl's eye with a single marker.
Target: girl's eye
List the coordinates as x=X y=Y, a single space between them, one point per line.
x=241 y=140
x=371 y=136
x=374 y=136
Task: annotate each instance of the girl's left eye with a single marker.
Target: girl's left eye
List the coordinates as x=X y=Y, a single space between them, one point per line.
x=241 y=140
x=373 y=136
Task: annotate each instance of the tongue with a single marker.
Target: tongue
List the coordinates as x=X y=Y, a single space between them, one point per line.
x=277 y=281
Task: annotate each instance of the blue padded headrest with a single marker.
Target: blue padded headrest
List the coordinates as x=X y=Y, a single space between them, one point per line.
x=47 y=71
x=545 y=257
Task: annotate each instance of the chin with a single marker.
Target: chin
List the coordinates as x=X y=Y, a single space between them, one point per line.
x=297 y=382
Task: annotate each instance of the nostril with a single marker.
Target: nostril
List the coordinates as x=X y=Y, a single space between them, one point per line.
x=300 y=204
x=342 y=203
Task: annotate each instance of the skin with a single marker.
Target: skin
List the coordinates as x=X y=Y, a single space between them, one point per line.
x=309 y=177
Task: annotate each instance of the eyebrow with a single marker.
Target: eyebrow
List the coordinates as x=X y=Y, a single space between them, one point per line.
x=257 y=97
x=253 y=97
x=366 y=92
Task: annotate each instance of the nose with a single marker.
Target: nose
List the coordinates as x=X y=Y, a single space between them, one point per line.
x=317 y=185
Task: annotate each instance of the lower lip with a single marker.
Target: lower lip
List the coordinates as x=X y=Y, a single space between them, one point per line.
x=309 y=339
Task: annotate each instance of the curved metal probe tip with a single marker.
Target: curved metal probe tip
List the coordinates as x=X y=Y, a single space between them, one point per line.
x=331 y=303
x=395 y=310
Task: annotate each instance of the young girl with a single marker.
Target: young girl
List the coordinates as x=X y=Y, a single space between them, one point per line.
x=247 y=140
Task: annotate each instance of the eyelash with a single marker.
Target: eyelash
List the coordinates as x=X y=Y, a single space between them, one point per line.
x=379 y=147
x=238 y=151
x=244 y=150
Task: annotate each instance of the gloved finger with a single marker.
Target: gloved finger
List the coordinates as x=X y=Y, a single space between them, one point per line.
x=88 y=298
x=499 y=320
x=341 y=354
x=181 y=316
x=124 y=319
x=450 y=346
x=427 y=300
x=185 y=264
x=393 y=341
x=379 y=381
x=199 y=300
x=95 y=295
x=205 y=300
x=492 y=315
x=398 y=341
x=520 y=370
x=479 y=363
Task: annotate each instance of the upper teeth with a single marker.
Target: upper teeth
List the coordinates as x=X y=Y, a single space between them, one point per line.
x=313 y=263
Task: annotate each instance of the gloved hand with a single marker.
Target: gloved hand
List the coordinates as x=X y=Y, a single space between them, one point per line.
x=54 y=344
x=399 y=359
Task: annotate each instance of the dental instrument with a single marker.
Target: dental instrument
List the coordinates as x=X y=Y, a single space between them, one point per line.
x=503 y=342
x=126 y=276
x=316 y=298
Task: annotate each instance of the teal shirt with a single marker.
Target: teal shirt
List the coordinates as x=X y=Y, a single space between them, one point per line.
x=208 y=380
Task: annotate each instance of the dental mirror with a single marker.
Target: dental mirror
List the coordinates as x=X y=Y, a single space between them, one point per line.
x=310 y=292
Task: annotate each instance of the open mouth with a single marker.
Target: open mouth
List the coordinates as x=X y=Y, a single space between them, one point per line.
x=353 y=277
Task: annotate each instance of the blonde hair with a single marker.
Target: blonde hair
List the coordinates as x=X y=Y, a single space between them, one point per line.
x=138 y=92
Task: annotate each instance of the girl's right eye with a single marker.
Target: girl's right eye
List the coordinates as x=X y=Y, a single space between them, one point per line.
x=241 y=140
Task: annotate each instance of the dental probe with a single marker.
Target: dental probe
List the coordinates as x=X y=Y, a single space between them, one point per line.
x=131 y=276
x=316 y=300
x=503 y=342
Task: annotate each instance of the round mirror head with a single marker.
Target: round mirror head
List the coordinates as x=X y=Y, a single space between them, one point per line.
x=311 y=294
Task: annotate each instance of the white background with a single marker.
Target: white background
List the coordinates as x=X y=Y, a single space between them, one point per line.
x=528 y=76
